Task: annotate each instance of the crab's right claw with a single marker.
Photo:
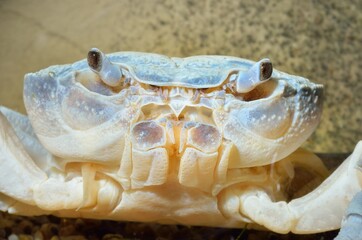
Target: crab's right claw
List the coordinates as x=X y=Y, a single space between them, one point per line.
x=19 y=174
x=25 y=186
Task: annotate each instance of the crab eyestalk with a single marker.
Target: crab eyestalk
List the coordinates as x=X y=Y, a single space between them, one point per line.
x=257 y=74
x=110 y=73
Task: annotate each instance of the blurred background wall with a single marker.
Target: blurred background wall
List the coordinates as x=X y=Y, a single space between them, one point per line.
x=320 y=40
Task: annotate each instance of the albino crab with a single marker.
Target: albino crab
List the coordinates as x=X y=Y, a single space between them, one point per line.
x=205 y=140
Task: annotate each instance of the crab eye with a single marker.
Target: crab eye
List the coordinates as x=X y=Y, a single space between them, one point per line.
x=110 y=73
x=266 y=70
x=95 y=59
x=258 y=73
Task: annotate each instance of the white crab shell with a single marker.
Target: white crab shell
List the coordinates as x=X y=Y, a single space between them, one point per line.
x=171 y=143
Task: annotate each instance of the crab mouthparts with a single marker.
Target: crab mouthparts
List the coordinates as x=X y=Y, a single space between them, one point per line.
x=177 y=107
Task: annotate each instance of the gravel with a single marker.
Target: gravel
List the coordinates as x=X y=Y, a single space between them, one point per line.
x=14 y=227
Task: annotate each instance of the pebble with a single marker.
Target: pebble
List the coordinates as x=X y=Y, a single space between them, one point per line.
x=112 y=237
x=25 y=237
x=38 y=235
x=49 y=230
x=67 y=230
x=13 y=237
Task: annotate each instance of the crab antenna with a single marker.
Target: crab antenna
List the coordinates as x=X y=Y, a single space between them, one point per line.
x=258 y=73
x=110 y=73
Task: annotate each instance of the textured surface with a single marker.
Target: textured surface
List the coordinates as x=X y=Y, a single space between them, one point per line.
x=49 y=227
x=320 y=41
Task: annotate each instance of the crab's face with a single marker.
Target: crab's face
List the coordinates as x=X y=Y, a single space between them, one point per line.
x=90 y=110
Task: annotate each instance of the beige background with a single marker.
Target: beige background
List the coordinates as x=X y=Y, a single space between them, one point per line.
x=320 y=40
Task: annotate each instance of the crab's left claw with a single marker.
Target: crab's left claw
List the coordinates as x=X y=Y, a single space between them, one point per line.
x=319 y=211
x=330 y=200
x=352 y=225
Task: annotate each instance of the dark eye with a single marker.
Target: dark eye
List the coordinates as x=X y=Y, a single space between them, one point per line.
x=258 y=73
x=266 y=70
x=110 y=73
x=95 y=59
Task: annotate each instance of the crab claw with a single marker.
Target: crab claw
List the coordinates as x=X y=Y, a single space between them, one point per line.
x=109 y=73
x=330 y=200
x=319 y=211
x=257 y=74
x=27 y=185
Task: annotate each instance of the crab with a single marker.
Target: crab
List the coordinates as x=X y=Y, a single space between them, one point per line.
x=203 y=140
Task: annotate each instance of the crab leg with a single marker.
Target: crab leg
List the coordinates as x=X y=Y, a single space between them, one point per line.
x=321 y=210
x=24 y=179
x=18 y=172
x=330 y=200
